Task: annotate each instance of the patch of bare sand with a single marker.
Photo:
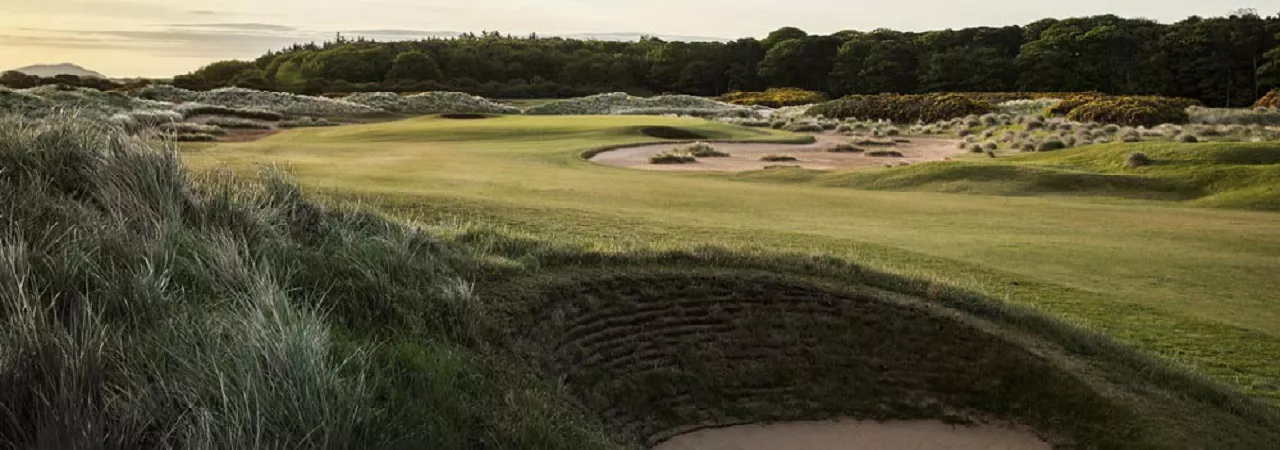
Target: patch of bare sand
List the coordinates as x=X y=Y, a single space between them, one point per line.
x=853 y=435
x=746 y=157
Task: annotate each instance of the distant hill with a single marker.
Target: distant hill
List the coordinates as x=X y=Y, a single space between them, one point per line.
x=50 y=70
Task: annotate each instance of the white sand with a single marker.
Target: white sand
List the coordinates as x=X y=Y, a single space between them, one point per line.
x=811 y=156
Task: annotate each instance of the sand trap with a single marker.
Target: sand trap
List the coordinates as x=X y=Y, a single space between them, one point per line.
x=811 y=156
x=851 y=435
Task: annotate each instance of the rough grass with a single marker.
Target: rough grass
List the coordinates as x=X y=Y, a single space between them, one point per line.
x=141 y=308
x=1170 y=288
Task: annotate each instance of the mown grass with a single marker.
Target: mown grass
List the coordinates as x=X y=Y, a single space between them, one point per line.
x=1144 y=272
x=147 y=308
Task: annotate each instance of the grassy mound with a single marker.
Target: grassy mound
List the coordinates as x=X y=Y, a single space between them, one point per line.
x=1132 y=111
x=774 y=98
x=926 y=108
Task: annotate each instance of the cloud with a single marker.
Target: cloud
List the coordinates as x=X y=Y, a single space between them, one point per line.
x=403 y=33
x=237 y=26
x=203 y=43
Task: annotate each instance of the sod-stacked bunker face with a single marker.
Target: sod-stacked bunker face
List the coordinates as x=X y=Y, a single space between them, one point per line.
x=666 y=356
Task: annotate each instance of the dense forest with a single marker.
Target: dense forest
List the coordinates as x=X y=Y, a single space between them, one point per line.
x=1222 y=61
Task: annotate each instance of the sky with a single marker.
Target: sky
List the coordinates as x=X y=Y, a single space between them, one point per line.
x=162 y=38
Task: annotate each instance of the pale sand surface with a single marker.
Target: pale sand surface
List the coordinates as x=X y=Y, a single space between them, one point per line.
x=811 y=156
x=853 y=435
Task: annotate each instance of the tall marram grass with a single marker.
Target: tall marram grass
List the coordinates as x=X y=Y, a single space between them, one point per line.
x=139 y=311
x=143 y=308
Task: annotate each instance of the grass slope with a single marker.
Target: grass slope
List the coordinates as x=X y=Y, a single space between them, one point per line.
x=1146 y=273
x=1219 y=174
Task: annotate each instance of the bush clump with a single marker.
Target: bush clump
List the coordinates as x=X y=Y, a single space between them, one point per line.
x=884 y=154
x=1051 y=145
x=1137 y=159
x=774 y=98
x=902 y=108
x=804 y=127
x=778 y=158
x=672 y=157
x=1271 y=100
x=1188 y=138
x=1131 y=111
x=701 y=150
x=875 y=142
x=844 y=147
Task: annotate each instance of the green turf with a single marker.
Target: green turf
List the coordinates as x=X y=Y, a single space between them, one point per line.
x=1195 y=285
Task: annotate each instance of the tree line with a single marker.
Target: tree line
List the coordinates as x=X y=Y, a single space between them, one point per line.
x=1221 y=61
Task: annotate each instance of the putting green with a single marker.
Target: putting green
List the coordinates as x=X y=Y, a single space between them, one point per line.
x=1192 y=284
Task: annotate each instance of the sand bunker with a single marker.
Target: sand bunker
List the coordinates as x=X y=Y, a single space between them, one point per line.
x=810 y=156
x=851 y=435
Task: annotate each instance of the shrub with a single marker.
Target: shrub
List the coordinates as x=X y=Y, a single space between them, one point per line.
x=774 y=98
x=672 y=158
x=884 y=154
x=990 y=146
x=1131 y=137
x=701 y=150
x=1035 y=124
x=1137 y=159
x=875 y=142
x=1188 y=138
x=991 y=154
x=976 y=148
x=1131 y=111
x=902 y=108
x=804 y=127
x=778 y=158
x=1051 y=145
x=1271 y=100
x=844 y=147
x=1069 y=104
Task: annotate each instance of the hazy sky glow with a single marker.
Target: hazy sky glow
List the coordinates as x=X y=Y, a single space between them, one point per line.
x=164 y=37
